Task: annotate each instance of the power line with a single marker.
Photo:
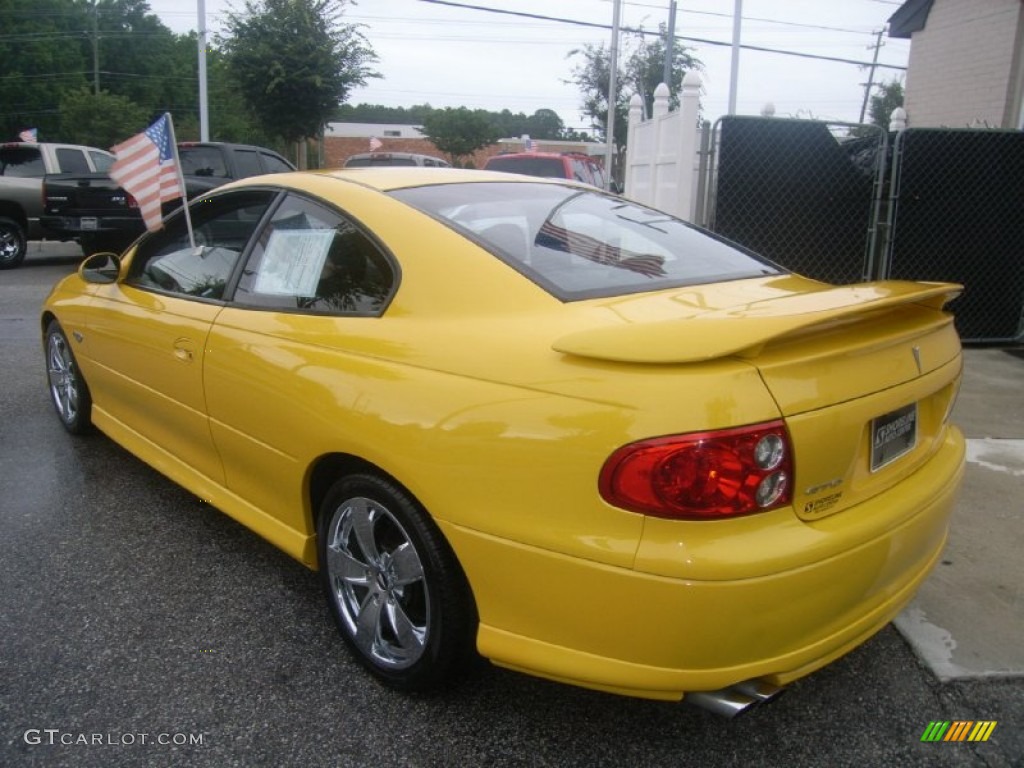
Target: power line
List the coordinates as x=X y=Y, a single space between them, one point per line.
x=704 y=41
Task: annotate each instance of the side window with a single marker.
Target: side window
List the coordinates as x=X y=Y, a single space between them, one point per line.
x=101 y=161
x=311 y=258
x=223 y=225
x=21 y=162
x=248 y=163
x=202 y=161
x=274 y=164
x=72 y=161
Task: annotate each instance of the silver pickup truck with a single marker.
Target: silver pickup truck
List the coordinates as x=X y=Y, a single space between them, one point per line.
x=22 y=168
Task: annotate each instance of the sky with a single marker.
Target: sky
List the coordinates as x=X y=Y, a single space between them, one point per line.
x=450 y=57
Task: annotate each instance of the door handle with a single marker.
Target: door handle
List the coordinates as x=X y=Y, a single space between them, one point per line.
x=184 y=350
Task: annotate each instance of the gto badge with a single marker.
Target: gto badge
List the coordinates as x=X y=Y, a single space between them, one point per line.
x=834 y=483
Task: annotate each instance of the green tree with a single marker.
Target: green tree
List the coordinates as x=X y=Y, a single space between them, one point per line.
x=100 y=120
x=460 y=132
x=295 y=62
x=40 y=47
x=545 y=124
x=641 y=68
x=880 y=108
x=139 y=57
x=889 y=96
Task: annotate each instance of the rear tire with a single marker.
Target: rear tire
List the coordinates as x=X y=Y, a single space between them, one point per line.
x=13 y=244
x=394 y=587
x=68 y=391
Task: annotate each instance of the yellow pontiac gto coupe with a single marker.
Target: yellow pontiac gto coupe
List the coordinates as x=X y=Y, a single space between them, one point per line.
x=526 y=419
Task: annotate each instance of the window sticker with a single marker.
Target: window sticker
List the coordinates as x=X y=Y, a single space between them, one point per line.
x=293 y=261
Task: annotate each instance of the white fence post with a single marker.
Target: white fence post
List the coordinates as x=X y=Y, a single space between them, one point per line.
x=898 y=120
x=661 y=154
x=689 y=115
x=658 y=127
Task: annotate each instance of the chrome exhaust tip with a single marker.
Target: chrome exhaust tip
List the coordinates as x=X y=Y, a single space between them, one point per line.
x=734 y=700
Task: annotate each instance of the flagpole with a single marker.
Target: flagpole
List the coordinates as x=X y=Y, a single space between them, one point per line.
x=181 y=180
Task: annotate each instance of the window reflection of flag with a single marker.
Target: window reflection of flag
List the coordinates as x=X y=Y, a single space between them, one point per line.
x=590 y=248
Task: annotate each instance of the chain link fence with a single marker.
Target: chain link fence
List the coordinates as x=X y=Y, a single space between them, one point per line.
x=957 y=214
x=798 y=193
x=926 y=204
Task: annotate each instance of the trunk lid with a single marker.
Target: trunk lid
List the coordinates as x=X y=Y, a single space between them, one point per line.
x=865 y=375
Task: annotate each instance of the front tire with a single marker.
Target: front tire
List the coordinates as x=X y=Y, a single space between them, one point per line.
x=68 y=391
x=13 y=244
x=394 y=587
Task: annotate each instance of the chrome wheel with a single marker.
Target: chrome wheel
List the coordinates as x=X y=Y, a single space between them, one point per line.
x=63 y=378
x=12 y=243
x=395 y=588
x=68 y=391
x=378 y=584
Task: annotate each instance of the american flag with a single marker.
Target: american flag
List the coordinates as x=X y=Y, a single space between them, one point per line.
x=375 y=144
x=146 y=167
x=30 y=135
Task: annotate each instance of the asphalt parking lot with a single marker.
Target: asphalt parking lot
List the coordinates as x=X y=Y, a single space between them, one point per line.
x=139 y=626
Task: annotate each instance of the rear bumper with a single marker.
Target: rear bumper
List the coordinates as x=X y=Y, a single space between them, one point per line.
x=85 y=226
x=657 y=637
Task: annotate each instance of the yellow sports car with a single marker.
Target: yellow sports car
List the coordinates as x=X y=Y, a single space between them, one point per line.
x=530 y=420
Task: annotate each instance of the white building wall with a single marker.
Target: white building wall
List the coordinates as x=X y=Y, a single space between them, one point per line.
x=962 y=65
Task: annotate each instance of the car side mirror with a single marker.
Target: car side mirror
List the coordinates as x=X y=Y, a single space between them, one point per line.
x=100 y=268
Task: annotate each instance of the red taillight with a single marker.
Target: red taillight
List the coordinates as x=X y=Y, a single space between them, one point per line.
x=130 y=200
x=703 y=475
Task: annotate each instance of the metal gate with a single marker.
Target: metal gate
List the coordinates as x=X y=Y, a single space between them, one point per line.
x=925 y=204
x=957 y=214
x=793 y=191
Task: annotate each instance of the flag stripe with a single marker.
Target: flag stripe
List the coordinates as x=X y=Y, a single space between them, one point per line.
x=146 y=168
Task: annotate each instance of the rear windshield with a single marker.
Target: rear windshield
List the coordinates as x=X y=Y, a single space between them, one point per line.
x=202 y=161
x=580 y=244
x=550 y=167
x=23 y=162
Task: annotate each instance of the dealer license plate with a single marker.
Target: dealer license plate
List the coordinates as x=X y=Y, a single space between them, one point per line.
x=893 y=435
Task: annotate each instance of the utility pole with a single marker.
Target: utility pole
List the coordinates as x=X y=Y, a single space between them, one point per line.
x=670 y=39
x=204 y=120
x=734 y=70
x=609 y=131
x=871 y=73
x=95 y=51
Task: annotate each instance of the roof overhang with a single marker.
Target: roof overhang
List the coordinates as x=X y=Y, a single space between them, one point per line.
x=911 y=17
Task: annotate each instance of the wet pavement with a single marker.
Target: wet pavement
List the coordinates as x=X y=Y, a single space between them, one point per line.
x=139 y=626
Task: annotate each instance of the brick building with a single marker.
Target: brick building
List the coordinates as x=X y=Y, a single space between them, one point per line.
x=966 y=62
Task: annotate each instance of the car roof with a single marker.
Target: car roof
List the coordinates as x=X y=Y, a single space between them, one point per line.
x=396 y=177
x=576 y=155
x=387 y=153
